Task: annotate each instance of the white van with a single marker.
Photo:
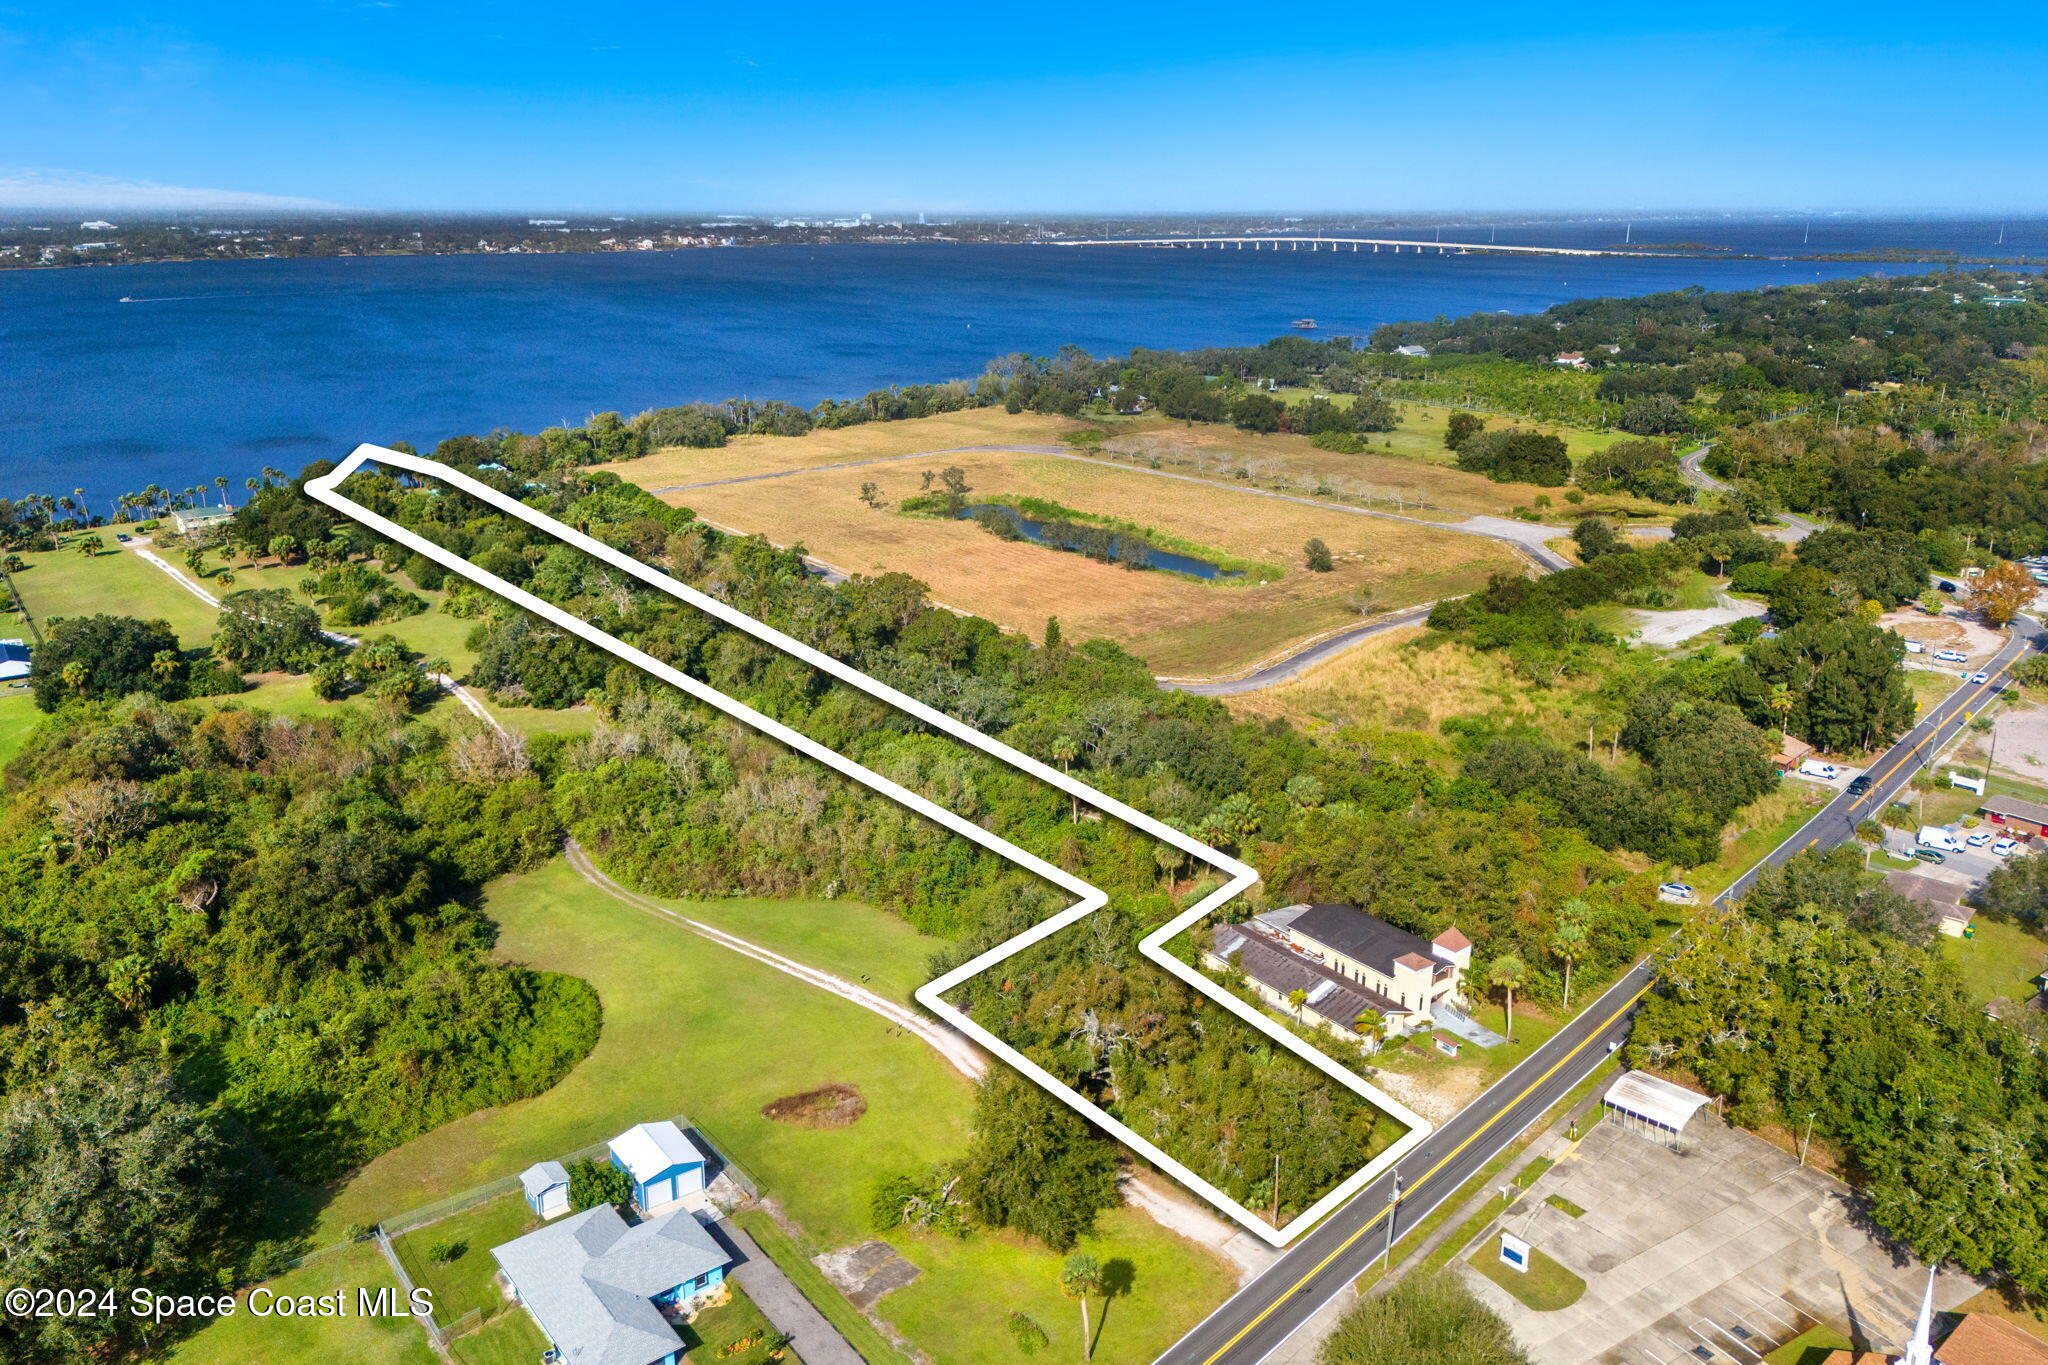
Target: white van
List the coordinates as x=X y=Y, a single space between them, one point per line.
x=1934 y=836
x=1813 y=767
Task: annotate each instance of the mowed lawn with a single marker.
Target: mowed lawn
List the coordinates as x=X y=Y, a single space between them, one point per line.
x=245 y=1338
x=697 y=1029
x=1180 y=625
x=18 y=720
x=694 y=1028
x=60 y=583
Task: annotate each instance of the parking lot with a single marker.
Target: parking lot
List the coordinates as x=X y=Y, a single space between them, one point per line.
x=1712 y=1255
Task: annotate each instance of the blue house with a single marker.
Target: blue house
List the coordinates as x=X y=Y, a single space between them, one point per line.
x=603 y=1292
x=547 y=1188
x=664 y=1166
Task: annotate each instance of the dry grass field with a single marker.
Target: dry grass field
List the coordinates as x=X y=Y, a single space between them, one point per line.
x=875 y=440
x=1394 y=682
x=1181 y=626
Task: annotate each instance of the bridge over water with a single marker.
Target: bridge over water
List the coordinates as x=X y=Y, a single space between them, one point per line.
x=1287 y=242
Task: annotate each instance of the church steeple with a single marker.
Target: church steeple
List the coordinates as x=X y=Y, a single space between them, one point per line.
x=1920 y=1350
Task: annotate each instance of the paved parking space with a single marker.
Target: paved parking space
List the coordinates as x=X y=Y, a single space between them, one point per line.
x=1711 y=1255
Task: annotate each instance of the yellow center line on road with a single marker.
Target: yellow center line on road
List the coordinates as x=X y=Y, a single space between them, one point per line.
x=1961 y=711
x=1424 y=1178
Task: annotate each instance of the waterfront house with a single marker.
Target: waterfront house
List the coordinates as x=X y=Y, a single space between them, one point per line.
x=1336 y=966
x=547 y=1188
x=605 y=1292
x=666 y=1168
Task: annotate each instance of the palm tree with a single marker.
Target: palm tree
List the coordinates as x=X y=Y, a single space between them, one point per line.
x=1169 y=859
x=1080 y=1277
x=166 y=664
x=75 y=675
x=1295 y=1000
x=1507 y=974
x=1371 y=1026
x=1568 y=941
x=1780 y=701
x=220 y=481
x=1064 y=752
x=225 y=578
x=79 y=493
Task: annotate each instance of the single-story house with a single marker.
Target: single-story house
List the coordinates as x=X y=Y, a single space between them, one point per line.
x=1653 y=1107
x=665 y=1166
x=14 y=660
x=547 y=1188
x=1346 y=965
x=1943 y=900
x=598 y=1288
x=1421 y=352
x=186 y=520
x=1575 y=360
x=1792 y=751
x=2023 y=819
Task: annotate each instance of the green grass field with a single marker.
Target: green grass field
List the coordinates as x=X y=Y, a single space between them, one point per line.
x=60 y=583
x=717 y=1332
x=2003 y=960
x=810 y=1281
x=18 y=720
x=1420 y=433
x=694 y=1028
x=1533 y=1025
x=508 y=1339
x=1810 y=1347
x=856 y=941
x=467 y=1280
x=273 y=1340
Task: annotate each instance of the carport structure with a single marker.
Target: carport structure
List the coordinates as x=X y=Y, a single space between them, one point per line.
x=1652 y=1107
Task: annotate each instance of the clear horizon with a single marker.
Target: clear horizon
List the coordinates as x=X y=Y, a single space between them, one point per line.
x=395 y=106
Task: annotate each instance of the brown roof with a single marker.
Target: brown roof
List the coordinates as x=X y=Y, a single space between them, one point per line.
x=1450 y=940
x=1856 y=1358
x=1792 y=750
x=1930 y=891
x=1415 y=960
x=1981 y=1339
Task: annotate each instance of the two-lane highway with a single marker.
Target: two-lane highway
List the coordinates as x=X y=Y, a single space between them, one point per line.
x=1262 y=1315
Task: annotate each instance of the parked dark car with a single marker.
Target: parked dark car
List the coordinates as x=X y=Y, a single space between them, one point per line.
x=1859 y=784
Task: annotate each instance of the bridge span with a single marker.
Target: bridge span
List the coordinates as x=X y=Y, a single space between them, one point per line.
x=1288 y=242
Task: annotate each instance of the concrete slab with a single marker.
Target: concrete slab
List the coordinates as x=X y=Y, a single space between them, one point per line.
x=1726 y=1247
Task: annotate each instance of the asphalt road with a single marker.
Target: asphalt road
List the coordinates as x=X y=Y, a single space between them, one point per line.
x=1890 y=772
x=1262 y=1315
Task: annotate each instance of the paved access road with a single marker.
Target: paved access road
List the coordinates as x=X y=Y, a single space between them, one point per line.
x=1259 y=1317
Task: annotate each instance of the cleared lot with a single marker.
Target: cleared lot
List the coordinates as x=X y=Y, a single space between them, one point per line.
x=1180 y=625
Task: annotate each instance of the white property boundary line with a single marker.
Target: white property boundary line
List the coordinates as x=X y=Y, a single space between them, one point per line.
x=326 y=489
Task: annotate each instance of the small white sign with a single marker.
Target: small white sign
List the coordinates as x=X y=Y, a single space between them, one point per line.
x=1968 y=784
x=1514 y=1252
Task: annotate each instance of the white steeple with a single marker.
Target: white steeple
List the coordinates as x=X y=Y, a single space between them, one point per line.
x=1920 y=1350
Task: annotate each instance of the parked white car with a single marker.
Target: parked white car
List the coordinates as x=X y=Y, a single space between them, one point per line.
x=2005 y=848
x=1979 y=839
x=1677 y=893
x=1813 y=767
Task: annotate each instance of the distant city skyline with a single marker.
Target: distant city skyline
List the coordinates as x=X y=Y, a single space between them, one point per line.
x=812 y=109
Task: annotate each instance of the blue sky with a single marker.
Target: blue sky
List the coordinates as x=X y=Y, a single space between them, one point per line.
x=1028 y=108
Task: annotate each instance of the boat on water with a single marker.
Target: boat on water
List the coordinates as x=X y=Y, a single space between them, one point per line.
x=1305 y=324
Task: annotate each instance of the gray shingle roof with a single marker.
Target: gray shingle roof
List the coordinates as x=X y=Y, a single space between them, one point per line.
x=1359 y=936
x=1334 y=996
x=588 y=1281
x=543 y=1175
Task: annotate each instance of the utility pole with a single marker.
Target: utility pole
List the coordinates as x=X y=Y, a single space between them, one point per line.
x=1276 y=1189
x=1393 y=1212
x=1808 y=1138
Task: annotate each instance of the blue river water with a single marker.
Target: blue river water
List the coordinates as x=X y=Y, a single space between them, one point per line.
x=1155 y=558
x=222 y=368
